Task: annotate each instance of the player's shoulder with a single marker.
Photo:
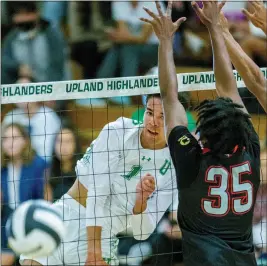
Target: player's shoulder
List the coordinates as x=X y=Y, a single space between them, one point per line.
x=126 y=130
x=122 y=124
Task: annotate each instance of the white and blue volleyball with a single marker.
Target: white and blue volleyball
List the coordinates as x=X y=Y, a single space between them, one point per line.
x=35 y=229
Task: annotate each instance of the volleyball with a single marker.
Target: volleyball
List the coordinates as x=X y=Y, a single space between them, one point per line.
x=35 y=229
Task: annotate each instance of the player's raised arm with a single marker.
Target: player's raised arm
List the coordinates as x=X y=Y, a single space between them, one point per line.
x=259 y=16
x=225 y=80
x=164 y=28
x=247 y=69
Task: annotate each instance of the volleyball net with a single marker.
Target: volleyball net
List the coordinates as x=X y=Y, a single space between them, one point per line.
x=88 y=105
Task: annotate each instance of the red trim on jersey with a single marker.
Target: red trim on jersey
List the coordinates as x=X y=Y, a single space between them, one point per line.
x=206 y=150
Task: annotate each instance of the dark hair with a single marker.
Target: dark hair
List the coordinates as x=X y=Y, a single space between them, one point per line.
x=224 y=125
x=56 y=164
x=183 y=97
x=22 y=6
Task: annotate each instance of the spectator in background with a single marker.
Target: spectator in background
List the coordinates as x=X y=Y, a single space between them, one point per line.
x=87 y=21
x=22 y=171
x=54 y=12
x=33 y=48
x=41 y=121
x=65 y=156
x=7 y=255
x=135 y=44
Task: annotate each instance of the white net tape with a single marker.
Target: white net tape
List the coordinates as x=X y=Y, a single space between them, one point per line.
x=104 y=88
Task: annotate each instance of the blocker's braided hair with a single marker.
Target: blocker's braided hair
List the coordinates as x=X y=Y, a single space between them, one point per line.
x=223 y=124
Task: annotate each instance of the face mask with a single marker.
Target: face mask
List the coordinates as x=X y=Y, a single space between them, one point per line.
x=26 y=26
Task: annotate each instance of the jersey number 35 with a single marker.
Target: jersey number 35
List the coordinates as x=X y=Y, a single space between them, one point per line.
x=228 y=191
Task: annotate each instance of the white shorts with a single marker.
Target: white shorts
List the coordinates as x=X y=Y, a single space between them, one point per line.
x=73 y=248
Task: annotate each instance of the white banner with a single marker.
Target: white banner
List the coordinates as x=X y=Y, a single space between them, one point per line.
x=103 y=88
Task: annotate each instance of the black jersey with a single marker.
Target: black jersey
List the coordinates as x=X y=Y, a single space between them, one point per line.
x=216 y=200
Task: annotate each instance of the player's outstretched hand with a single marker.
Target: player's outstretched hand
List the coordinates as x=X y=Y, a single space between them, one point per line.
x=162 y=23
x=209 y=13
x=259 y=16
x=146 y=187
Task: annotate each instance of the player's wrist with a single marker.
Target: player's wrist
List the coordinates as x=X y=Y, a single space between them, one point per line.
x=140 y=205
x=94 y=255
x=214 y=28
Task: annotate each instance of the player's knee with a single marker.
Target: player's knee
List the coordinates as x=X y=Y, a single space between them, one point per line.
x=30 y=263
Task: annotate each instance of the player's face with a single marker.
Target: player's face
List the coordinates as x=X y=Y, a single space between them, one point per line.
x=65 y=145
x=154 y=123
x=13 y=142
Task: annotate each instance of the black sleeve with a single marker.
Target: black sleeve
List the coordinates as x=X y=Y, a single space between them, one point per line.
x=254 y=147
x=186 y=154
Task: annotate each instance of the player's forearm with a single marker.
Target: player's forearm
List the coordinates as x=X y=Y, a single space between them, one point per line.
x=247 y=69
x=167 y=71
x=140 y=206
x=225 y=81
x=264 y=26
x=141 y=222
x=94 y=242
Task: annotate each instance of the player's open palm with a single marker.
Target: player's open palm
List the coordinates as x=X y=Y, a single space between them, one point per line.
x=162 y=23
x=146 y=187
x=210 y=12
x=258 y=16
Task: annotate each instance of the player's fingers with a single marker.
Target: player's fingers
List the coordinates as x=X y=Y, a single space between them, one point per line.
x=221 y=5
x=247 y=14
x=256 y=4
x=169 y=9
x=151 y=14
x=146 y=20
x=148 y=175
x=159 y=8
x=196 y=8
x=148 y=187
x=179 y=21
x=150 y=183
x=206 y=3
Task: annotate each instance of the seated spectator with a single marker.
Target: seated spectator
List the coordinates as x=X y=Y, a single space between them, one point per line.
x=22 y=171
x=133 y=41
x=33 y=48
x=42 y=122
x=87 y=21
x=65 y=155
x=7 y=255
x=54 y=11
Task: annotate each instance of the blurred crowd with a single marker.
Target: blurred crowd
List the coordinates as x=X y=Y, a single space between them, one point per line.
x=59 y=40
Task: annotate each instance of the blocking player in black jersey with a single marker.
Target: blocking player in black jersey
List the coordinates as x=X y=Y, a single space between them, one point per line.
x=219 y=178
